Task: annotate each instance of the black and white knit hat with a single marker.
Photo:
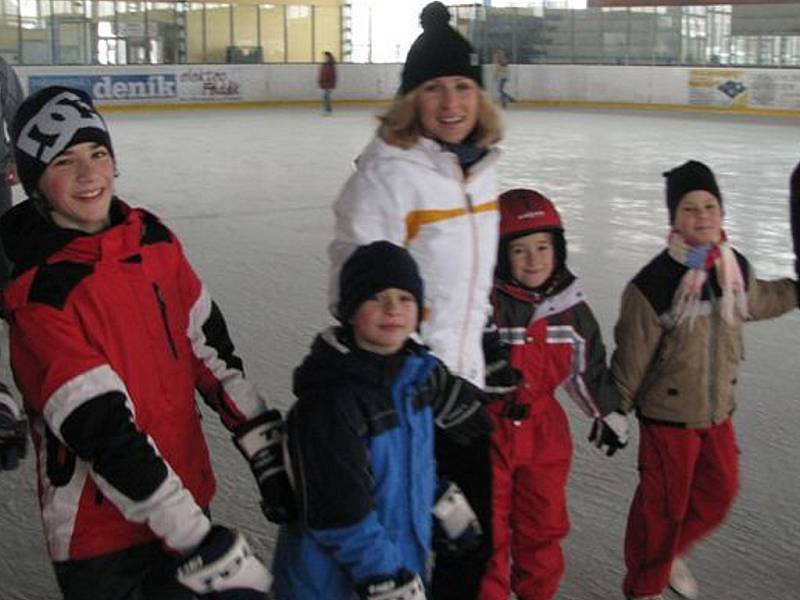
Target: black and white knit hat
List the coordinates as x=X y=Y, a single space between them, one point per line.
x=439 y=51
x=688 y=177
x=47 y=123
x=372 y=269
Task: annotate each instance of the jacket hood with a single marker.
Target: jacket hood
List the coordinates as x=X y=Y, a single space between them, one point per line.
x=335 y=358
x=29 y=237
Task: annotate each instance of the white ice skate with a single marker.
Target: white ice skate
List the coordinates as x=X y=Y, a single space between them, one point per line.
x=682 y=582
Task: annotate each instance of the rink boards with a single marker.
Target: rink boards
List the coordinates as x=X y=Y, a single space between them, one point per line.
x=753 y=91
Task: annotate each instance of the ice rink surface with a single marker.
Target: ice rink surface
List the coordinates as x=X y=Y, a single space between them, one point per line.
x=250 y=191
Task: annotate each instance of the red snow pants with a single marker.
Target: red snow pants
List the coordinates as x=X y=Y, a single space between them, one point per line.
x=530 y=465
x=688 y=479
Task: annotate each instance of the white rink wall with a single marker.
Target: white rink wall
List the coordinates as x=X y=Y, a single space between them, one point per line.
x=745 y=90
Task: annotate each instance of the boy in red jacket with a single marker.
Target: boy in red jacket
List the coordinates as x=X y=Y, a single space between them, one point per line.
x=111 y=333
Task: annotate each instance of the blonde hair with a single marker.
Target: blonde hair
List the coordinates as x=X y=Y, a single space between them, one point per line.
x=401 y=126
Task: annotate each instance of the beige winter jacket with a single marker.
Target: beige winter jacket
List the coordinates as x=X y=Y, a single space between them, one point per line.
x=685 y=374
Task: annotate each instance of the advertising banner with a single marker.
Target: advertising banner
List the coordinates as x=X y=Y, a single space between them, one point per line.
x=718 y=87
x=105 y=88
x=186 y=84
x=739 y=88
x=774 y=89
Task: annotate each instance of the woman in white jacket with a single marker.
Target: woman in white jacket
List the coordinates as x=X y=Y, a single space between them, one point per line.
x=427 y=182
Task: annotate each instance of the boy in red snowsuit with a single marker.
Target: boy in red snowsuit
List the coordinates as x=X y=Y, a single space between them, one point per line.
x=544 y=322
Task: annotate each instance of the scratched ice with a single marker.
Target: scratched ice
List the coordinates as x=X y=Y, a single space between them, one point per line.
x=249 y=192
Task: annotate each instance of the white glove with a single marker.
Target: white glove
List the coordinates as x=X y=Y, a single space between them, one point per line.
x=402 y=586
x=455 y=526
x=224 y=568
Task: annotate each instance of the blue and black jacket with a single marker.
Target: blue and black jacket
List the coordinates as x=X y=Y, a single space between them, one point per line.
x=361 y=451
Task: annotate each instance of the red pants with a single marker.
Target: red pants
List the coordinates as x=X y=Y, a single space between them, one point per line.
x=688 y=479
x=530 y=465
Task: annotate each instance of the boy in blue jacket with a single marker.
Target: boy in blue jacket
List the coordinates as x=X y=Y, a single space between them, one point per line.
x=360 y=445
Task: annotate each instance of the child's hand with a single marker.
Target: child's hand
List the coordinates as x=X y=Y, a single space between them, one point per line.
x=224 y=567
x=455 y=526
x=13 y=434
x=260 y=440
x=403 y=585
x=611 y=431
x=501 y=377
x=457 y=406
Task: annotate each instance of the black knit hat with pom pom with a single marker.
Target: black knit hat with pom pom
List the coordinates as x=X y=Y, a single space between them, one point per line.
x=439 y=51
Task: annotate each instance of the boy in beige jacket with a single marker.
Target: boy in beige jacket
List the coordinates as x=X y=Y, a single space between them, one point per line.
x=679 y=343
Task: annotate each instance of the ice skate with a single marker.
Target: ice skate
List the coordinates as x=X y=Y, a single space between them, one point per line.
x=681 y=580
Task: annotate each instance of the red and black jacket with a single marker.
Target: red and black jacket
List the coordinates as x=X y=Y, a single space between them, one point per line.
x=554 y=340
x=110 y=336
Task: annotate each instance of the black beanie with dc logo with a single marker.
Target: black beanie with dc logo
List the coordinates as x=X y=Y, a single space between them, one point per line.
x=47 y=123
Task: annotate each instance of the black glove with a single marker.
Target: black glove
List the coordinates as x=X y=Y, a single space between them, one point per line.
x=456 y=529
x=403 y=585
x=501 y=377
x=224 y=568
x=261 y=442
x=13 y=434
x=794 y=216
x=610 y=431
x=457 y=406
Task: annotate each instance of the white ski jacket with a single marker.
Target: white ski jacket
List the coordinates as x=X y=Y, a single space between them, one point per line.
x=420 y=199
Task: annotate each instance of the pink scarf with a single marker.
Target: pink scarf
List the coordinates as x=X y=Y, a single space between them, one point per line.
x=700 y=260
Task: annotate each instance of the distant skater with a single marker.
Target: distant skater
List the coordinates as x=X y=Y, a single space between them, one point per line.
x=327 y=81
x=501 y=78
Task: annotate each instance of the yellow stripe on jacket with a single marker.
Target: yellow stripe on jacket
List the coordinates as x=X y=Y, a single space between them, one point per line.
x=417 y=218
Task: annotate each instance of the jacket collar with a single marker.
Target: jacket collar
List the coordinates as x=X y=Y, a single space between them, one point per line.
x=32 y=239
x=427 y=153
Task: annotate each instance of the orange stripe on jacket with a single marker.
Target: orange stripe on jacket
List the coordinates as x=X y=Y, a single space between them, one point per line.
x=417 y=218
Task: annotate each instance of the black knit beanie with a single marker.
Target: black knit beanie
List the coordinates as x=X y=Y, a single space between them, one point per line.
x=372 y=269
x=47 y=123
x=690 y=176
x=439 y=51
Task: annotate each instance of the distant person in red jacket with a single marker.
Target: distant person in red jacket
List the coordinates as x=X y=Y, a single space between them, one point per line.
x=327 y=81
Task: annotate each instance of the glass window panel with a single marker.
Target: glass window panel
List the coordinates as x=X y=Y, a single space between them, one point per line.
x=218 y=32
x=9 y=32
x=195 y=37
x=327 y=31
x=164 y=33
x=71 y=42
x=273 y=32
x=130 y=29
x=37 y=42
x=245 y=34
x=298 y=33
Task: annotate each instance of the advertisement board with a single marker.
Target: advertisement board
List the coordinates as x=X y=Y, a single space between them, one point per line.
x=185 y=84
